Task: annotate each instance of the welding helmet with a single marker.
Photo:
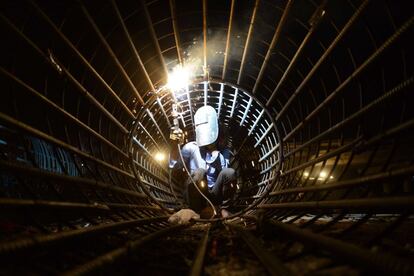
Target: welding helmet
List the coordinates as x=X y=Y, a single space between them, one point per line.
x=206 y=126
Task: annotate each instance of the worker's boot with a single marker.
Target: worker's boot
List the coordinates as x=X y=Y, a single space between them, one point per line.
x=207 y=212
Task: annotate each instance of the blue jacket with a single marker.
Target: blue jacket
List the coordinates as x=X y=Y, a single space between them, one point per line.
x=196 y=158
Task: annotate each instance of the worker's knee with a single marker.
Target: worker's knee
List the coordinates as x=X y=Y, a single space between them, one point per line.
x=228 y=174
x=228 y=182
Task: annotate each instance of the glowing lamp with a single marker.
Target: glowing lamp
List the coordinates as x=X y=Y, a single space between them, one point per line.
x=159 y=156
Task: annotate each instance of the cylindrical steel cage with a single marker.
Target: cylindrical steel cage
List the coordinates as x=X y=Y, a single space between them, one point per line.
x=314 y=100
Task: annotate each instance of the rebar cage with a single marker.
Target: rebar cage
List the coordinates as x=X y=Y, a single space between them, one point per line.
x=314 y=97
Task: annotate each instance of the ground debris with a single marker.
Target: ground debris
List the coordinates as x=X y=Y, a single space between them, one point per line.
x=235 y=266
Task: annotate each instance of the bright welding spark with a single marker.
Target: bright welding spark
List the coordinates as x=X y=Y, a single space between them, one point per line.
x=159 y=156
x=179 y=78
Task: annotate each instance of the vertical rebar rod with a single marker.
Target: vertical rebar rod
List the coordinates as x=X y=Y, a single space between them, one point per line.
x=248 y=39
x=326 y=53
x=111 y=54
x=154 y=37
x=132 y=45
x=82 y=58
x=271 y=262
x=320 y=13
x=272 y=45
x=373 y=57
x=55 y=238
x=205 y=42
x=121 y=252
x=78 y=85
x=374 y=179
x=62 y=111
x=395 y=91
x=26 y=128
x=71 y=180
x=227 y=50
x=197 y=267
x=176 y=31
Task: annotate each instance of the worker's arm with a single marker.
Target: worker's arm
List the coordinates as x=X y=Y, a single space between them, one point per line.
x=175 y=159
x=174 y=155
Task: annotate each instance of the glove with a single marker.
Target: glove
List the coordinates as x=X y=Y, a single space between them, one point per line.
x=183 y=216
x=176 y=133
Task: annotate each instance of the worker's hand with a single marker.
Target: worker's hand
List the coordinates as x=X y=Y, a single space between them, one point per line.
x=177 y=135
x=183 y=216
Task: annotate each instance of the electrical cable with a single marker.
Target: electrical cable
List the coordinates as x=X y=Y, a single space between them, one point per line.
x=193 y=182
x=177 y=114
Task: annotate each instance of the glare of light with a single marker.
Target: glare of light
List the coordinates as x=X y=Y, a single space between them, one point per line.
x=331 y=177
x=253 y=163
x=306 y=174
x=179 y=78
x=238 y=187
x=202 y=183
x=322 y=174
x=159 y=156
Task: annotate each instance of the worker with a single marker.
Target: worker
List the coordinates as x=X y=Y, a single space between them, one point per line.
x=208 y=167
